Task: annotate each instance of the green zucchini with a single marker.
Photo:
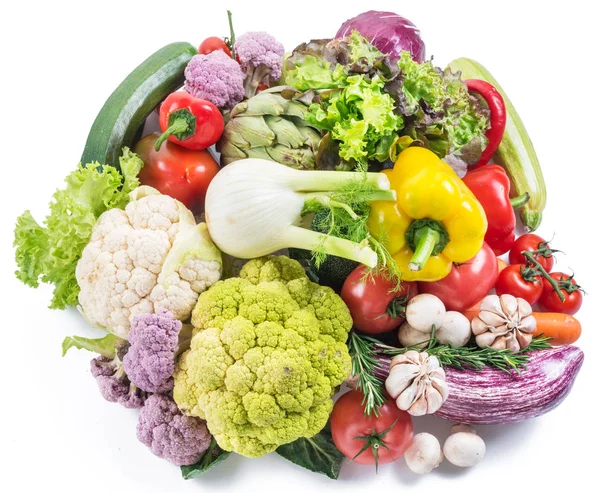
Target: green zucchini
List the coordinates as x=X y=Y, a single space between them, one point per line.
x=126 y=109
x=515 y=153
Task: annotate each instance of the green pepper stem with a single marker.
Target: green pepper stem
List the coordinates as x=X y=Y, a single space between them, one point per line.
x=179 y=125
x=425 y=243
x=520 y=201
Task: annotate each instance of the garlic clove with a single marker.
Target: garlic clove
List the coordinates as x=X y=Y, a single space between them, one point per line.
x=491 y=319
x=491 y=303
x=528 y=324
x=399 y=378
x=434 y=401
x=510 y=305
x=478 y=326
x=523 y=339
x=486 y=339
x=407 y=398
x=441 y=386
x=524 y=308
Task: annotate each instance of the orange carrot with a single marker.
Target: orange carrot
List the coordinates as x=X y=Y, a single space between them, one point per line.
x=563 y=328
x=501 y=264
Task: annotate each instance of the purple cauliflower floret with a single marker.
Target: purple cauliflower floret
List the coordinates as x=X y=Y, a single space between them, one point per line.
x=215 y=77
x=169 y=434
x=150 y=360
x=114 y=384
x=260 y=55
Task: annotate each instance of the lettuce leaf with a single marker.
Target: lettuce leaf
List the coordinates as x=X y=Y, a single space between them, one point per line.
x=49 y=253
x=360 y=116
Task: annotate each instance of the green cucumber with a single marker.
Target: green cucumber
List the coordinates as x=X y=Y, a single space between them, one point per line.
x=515 y=153
x=126 y=109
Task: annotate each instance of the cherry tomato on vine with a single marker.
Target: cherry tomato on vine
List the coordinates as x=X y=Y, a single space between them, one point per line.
x=374 y=305
x=550 y=301
x=532 y=243
x=515 y=279
x=213 y=43
x=370 y=439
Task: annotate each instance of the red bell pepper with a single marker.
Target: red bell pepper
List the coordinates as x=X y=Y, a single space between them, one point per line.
x=497 y=109
x=189 y=122
x=491 y=185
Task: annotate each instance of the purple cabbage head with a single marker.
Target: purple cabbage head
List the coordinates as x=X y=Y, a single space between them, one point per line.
x=388 y=32
x=171 y=435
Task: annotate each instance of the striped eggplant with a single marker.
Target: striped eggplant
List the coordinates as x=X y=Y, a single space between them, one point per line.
x=492 y=396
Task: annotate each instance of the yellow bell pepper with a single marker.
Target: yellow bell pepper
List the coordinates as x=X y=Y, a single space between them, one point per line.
x=435 y=221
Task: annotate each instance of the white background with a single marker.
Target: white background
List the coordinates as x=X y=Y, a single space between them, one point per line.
x=61 y=61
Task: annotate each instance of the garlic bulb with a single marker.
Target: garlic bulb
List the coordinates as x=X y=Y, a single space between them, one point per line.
x=417 y=382
x=504 y=322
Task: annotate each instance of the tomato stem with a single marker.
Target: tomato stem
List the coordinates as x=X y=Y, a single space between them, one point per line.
x=531 y=259
x=373 y=441
x=231 y=34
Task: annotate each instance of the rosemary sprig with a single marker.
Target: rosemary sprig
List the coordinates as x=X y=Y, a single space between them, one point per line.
x=364 y=365
x=370 y=360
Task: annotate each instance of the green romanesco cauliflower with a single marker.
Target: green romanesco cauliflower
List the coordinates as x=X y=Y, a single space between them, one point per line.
x=267 y=354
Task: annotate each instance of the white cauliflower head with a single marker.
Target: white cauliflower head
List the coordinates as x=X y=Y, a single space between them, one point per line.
x=150 y=256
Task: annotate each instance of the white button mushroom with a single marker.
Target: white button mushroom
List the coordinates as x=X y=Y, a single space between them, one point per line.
x=462 y=427
x=409 y=336
x=424 y=311
x=424 y=453
x=455 y=330
x=464 y=449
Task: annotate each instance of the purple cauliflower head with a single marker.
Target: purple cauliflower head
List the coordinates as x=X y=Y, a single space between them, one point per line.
x=260 y=55
x=114 y=384
x=215 y=77
x=150 y=360
x=171 y=435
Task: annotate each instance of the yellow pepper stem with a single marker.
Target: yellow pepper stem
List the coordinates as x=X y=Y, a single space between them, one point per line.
x=425 y=237
x=426 y=240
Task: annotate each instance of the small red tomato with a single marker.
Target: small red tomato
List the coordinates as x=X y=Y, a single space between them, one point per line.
x=532 y=243
x=374 y=305
x=351 y=430
x=512 y=280
x=550 y=301
x=213 y=44
x=181 y=173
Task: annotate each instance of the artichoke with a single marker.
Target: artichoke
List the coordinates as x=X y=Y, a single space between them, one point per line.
x=271 y=125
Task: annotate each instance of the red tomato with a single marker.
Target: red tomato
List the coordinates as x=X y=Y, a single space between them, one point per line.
x=530 y=242
x=511 y=281
x=182 y=173
x=550 y=301
x=348 y=421
x=213 y=44
x=467 y=283
x=374 y=306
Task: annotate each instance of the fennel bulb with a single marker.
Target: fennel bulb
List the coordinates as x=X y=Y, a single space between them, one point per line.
x=254 y=208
